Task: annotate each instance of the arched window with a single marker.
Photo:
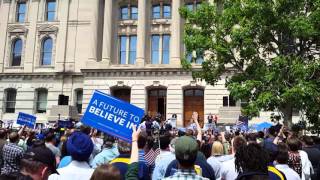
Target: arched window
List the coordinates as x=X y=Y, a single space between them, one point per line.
x=10 y=100
x=41 y=103
x=46 y=52
x=16 y=52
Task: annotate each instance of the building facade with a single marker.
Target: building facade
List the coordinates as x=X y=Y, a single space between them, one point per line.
x=128 y=48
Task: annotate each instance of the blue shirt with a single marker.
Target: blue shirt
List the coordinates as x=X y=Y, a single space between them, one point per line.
x=65 y=161
x=162 y=162
x=141 y=157
x=105 y=156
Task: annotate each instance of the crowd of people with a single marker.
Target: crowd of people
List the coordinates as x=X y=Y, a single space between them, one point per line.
x=158 y=152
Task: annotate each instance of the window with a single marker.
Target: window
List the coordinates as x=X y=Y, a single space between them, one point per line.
x=190 y=6
x=21 y=12
x=199 y=60
x=128 y=12
x=123 y=49
x=78 y=100
x=166 y=11
x=155 y=49
x=232 y=102
x=156 y=53
x=134 y=12
x=228 y=101
x=161 y=11
x=16 y=52
x=50 y=10
x=193 y=6
x=156 y=12
x=124 y=13
x=10 y=100
x=198 y=4
x=225 y=101
x=41 y=104
x=132 y=49
x=46 y=51
x=165 y=49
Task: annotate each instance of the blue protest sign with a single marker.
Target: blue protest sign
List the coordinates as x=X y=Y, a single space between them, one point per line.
x=26 y=119
x=112 y=115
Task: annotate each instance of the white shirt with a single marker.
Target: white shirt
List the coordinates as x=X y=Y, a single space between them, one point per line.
x=228 y=170
x=216 y=166
x=307 y=168
x=288 y=172
x=75 y=170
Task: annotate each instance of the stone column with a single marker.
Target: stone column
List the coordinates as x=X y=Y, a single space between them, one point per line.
x=94 y=29
x=61 y=45
x=107 y=32
x=4 y=16
x=31 y=40
x=175 y=102
x=175 y=42
x=141 y=33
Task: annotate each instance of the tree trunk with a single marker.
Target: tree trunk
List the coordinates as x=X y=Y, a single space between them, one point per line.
x=287 y=115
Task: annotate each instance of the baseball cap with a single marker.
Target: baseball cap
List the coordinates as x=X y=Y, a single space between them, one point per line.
x=186 y=149
x=43 y=155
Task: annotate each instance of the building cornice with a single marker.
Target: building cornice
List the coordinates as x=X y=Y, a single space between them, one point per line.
x=37 y=75
x=136 y=72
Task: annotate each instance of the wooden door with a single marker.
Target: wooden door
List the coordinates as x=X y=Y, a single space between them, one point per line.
x=193 y=101
x=157 y=102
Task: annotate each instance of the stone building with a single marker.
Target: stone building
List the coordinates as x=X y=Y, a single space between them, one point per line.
x=128 y=48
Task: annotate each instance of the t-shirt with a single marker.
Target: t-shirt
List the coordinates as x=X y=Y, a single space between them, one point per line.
x=228 y=170
x=313 y=155
x=55 y=150
x=201 y=166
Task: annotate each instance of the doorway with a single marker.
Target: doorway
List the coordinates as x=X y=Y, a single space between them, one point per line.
x=193 y=101
x=122 y=93
x=157 y=102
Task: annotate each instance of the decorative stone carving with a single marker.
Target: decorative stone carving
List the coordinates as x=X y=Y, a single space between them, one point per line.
x=47 y=29
x=17 y=30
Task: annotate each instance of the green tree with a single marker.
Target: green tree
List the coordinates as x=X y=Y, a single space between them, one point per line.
x=271 y=48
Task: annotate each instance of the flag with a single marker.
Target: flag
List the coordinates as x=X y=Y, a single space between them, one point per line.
x=151 y=156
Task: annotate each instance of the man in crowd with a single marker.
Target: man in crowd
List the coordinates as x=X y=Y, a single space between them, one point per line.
x=3 y=141
x=164 y=158
x=109 y=152
x=282 y=163
x=186 y=149
x=51 y=144
x=123 y=160
x=80 y=147
x=38 y=163
x=12 y=155
x=313 y=152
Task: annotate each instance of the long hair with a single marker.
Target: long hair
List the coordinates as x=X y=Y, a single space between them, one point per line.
x=251 y=158
x=106 y=171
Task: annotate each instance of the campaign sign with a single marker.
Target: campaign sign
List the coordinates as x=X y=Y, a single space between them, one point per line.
x=26 y=119
x=112 y=116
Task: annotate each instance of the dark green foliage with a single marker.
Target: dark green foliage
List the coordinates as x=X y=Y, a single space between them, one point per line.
x=271 y=48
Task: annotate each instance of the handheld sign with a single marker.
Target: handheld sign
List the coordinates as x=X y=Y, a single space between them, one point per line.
x=26 y=119
x=112 y=115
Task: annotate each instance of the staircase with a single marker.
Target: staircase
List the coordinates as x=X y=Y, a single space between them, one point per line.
x=229 y=115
